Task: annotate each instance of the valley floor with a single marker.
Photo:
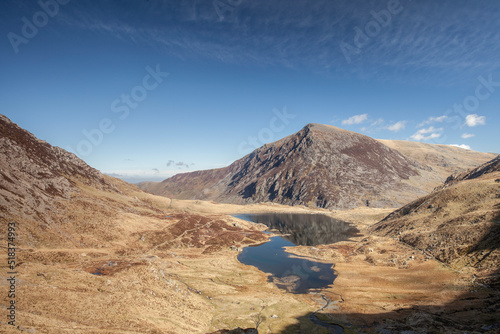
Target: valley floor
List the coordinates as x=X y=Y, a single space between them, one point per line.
x=175 y=272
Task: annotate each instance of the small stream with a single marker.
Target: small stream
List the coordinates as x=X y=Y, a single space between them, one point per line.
x=332 y=328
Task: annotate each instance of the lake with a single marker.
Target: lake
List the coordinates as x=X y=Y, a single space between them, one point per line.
x=290 y=272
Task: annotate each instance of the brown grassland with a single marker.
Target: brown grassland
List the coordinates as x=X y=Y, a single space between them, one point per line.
x=132 y=262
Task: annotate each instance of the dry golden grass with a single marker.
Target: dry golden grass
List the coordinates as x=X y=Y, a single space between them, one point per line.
x=444 y=159
x=157 y=276
x=458 y=225
x=168 y=269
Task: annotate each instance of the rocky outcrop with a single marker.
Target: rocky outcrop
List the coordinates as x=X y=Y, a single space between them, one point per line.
x=33 y=173
x=488 y=167
x=319 y=166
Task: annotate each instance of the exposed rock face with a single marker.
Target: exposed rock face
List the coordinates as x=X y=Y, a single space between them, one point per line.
x=320 y=166
x=80 y=235
x=458 y=223
x=489 y=167
x=33 y=173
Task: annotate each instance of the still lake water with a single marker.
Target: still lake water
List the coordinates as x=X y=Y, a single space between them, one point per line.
x=290 y=272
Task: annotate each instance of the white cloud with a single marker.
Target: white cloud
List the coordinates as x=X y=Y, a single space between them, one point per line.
x=465 y=147
x=429 y=130
x=467 y=135
x=419 y=136
x=356 y=119
x=397 y=126
x=431 y=120
x=475 y=120
x=432 y=131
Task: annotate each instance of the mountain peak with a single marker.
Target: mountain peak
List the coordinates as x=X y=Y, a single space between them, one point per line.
x=324 y=127
x=328 y=130
x=321 y=165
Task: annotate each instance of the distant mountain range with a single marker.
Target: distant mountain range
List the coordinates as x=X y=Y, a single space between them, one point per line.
x=326 y=167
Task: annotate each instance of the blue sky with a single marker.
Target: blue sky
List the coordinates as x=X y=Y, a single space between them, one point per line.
x=147 y=89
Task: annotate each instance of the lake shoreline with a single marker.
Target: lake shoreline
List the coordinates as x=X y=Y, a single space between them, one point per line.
x=397 y=282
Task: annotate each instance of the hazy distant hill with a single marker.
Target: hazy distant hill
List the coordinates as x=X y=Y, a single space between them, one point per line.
x=458 y=223
x=327 y=167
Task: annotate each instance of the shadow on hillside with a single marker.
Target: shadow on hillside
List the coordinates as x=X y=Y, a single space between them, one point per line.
x=488 y=249
x=469 y=313
x=475 y=310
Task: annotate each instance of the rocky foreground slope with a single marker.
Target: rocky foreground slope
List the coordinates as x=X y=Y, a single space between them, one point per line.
x=93 y=254
x=37 y=187
x=458 y=223
x=325 y=167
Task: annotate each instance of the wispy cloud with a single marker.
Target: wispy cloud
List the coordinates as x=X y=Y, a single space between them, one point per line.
x=467 y=135
x=431 y=120
x=397 y=126
x=299 y=33
x=356 y=119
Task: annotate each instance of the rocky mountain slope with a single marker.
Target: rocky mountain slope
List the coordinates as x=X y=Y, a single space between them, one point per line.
x=57 y=200
x=458 y=223
x=489 y=167
x=320 y=166
x=38 y=183
x=87 y=248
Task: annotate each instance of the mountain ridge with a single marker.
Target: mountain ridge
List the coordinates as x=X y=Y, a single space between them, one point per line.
x=35 y=175
x=315 y=166
x=319 y=166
